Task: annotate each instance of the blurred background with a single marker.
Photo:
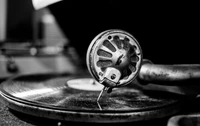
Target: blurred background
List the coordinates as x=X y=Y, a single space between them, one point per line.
x=35 y=41
x=31 y=41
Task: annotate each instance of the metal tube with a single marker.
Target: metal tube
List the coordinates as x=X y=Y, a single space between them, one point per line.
x=182 y=74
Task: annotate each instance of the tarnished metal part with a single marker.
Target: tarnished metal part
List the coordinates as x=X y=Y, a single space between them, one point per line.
x=178 y=75
x=191 y=119
x=111 y=77
x=117 y=50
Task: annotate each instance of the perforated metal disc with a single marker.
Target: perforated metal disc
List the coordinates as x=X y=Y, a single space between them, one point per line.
x=117 y=49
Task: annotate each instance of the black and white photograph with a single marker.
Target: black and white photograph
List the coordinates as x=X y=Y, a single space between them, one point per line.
x=88 y=62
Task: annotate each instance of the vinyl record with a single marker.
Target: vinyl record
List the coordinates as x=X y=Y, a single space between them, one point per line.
x=70 y=98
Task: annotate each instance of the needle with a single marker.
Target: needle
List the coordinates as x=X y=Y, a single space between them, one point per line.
x=101 y=93
x=99 y=106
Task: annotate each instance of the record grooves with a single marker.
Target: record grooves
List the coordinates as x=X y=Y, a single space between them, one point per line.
x=51 y=96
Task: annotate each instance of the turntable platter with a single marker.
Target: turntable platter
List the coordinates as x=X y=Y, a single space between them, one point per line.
x=64 y=97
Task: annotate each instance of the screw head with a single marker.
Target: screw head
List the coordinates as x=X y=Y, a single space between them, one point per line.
x=113 y=76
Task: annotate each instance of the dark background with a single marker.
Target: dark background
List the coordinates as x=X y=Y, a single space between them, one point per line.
x=168 y=32
x=20 y=14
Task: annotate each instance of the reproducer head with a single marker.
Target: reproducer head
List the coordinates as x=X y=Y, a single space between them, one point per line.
x=114 y=58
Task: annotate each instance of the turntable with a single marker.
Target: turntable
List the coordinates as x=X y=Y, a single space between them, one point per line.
x=137 y=90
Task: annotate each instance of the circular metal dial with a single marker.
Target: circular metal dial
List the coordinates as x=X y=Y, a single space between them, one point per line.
x=115 y=51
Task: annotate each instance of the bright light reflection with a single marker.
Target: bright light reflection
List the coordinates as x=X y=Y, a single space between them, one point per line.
x=33 y=92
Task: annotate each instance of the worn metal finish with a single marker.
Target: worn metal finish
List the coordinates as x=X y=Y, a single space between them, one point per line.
x=50 y=96
x=116 y=53
x=179 y=74
x=116 y=49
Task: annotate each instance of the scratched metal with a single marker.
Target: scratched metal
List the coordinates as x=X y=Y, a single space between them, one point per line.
x=36 y=92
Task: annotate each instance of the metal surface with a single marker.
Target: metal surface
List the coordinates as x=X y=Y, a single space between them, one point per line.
x=114 y=58
x=185 y=120
x=177 y=74
x=58 y=97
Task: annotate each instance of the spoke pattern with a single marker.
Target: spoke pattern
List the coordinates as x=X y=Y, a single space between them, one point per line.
x=111 y=54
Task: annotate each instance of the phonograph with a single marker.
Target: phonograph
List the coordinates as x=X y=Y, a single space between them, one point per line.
x=120 y=87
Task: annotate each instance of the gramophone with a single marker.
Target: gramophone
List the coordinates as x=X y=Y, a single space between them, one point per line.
x=137 y=89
